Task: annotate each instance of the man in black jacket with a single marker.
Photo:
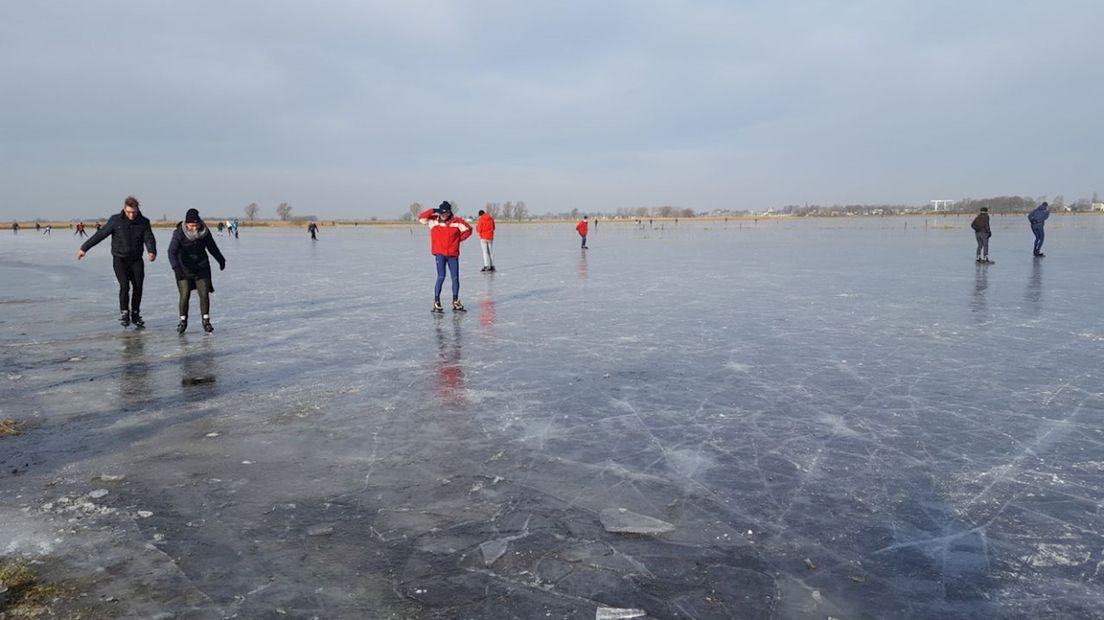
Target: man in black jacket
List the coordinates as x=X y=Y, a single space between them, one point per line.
x=129 y=230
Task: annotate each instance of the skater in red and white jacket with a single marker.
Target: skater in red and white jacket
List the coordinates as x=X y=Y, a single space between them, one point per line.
x=445 y=234
x=581 y=228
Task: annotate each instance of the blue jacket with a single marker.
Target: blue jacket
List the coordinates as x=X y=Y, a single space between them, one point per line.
x=1038 y=216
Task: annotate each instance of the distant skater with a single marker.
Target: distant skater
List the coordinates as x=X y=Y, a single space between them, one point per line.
x=80 y=230
x=38 y=227
x=485 y=225
x=982 y=232
x=129 y=230
x=1038 y=219
x=581 y=228
x=191 y=241
x=312 y=228
x=445 y=234
x=47 y=230
x=15 y=228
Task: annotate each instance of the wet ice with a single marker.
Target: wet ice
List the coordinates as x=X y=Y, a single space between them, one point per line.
x=847 y=394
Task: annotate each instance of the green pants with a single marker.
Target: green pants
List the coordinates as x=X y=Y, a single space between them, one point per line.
x=203 y=287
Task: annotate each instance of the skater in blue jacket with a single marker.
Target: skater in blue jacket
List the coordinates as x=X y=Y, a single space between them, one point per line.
x=1038 y=218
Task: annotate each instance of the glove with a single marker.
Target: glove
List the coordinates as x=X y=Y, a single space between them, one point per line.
x=222 y=266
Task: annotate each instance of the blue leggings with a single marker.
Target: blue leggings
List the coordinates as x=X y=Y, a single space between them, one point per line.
x=1039 y=236
x=453 y=263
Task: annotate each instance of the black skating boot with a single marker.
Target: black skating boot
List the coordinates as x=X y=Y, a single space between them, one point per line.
x=124 y=318
x=207 y=327
x=491 y=268
x=182 y=326
x=457 y=306
x=137 y=320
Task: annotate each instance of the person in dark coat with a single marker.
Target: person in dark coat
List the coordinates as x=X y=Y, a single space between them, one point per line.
x=129 y=231
x=191 y=242
x=1038 y=219
x=982 y=232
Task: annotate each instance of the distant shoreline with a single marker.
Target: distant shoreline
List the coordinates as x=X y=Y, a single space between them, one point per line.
x=351 y=223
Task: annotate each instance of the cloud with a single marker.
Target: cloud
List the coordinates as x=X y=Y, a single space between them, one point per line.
x=598 y=106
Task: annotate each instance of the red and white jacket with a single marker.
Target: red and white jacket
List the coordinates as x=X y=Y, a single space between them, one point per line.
x=445 y=237
x=582 y=227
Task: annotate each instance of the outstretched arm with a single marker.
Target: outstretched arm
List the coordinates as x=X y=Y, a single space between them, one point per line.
x=151 y=243
x=99 y=236
x=427 y=216
x=213 y=248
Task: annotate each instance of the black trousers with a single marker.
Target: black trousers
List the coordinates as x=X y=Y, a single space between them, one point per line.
x=130 y=273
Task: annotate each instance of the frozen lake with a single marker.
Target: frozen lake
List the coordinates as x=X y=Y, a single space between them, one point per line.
x=828 y=418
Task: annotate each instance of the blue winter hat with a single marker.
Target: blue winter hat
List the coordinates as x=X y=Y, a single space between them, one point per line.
x=445 y=207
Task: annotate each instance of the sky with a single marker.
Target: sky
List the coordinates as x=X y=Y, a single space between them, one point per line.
x=358 y=109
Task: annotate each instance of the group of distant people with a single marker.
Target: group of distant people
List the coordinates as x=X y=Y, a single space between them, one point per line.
x=191 y=244
x=983 y=231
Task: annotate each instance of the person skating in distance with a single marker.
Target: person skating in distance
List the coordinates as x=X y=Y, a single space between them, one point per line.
x=445 y=234
x=982 y=232
x=1038 y=219
x=129 y=230
x=312 y=228
x=485 y=225
x=581 y=228
x=191 y=241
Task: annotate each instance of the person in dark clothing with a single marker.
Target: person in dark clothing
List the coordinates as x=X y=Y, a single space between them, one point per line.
x=312 y=228
x=982 y=232
x=191 y=241
x=15 y=228
x=129 y=230
x=1038 y=218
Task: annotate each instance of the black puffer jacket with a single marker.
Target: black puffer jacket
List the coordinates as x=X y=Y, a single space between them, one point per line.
x=188 y=253
x=127 y=236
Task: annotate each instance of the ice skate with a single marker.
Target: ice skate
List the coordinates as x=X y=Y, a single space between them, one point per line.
x=182 y=326
x=437 y=308
x=124 y=318
x=457 y=306
x=137 y=320
x=207 y=327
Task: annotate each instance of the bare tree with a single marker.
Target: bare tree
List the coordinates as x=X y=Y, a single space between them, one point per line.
x=251 y=210
x=415 y=209
x=520 y=210
x=493 y=209
x=284 y=211
x=508 y=210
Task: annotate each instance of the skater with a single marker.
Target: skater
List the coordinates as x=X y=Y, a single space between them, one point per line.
x=1038 y=218
x=312 y=228
x=486 y=227
x=191 y=241
x=38 y=227
x=982 y=232
x=47 y=230
x=80 y=230
x=129 y=230
x=221 y=227
x=445 y=234
x=234 y=228
x=581 y=227
x=15 y=228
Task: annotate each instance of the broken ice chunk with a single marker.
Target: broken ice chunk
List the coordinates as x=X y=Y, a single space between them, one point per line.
x=492 y=550
x=625 y=521
x=616 y=613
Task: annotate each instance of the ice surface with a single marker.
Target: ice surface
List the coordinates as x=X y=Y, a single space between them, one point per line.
x=628 y=522
x=927 y=432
